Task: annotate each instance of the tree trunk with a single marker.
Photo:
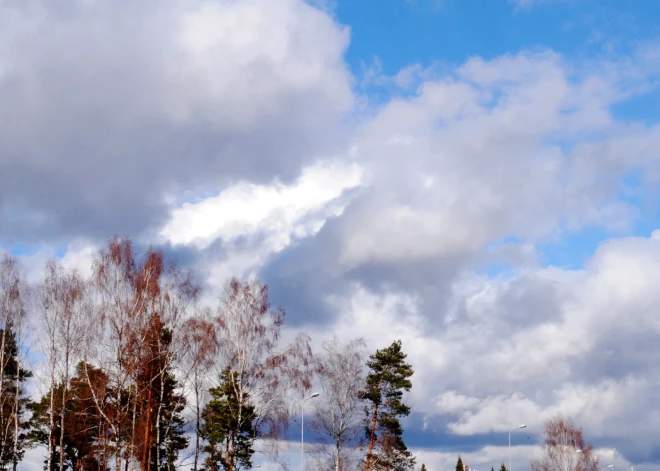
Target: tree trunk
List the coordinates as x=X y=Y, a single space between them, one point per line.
x=17 y=397
x=65 y=384
x=372 y=441
x=158 y=414
x=198 y=420
x=51 y=420
x=2 y=375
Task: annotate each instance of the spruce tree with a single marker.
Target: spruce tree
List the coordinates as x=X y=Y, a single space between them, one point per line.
x=13 y=402
x=229 y=440
x=388 y=378
x=492 y=469
x=503 y=468
x=459 y=464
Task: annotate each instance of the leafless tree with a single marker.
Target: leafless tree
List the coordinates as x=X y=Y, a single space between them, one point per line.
x=119 y=326
x=562 y=441
x=248 y=331
x=176 y=301
x=200 y=355
x=338 y=413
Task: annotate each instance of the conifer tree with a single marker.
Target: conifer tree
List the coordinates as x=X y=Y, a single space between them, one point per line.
x=387 y=379
x=492 y=468
x=229 y=438
x=84 y=428
x=160 y=430
x=423 y=467
x=503 y=468
x=459 y=464
x=12 y=403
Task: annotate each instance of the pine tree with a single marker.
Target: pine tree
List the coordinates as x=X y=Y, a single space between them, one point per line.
x=492 y=468
x=84 y=427
x=503 y=468
x=387 y=379
x=229 y=439
x=423 y=467
x=12 y=403
x=459 y=464
x=161 y=433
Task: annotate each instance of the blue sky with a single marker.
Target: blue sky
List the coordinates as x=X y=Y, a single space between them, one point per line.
x=449 y=32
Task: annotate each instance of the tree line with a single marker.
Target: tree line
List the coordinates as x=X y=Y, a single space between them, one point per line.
x=134 y=372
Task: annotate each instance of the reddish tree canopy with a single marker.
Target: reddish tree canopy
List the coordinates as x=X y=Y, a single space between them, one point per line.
x=563 y=439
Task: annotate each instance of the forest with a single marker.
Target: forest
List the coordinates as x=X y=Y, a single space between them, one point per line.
x=128 y=369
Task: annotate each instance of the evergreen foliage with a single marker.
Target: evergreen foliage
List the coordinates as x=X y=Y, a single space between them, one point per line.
x=229 y=433
x=387 y=379
x=12 y=403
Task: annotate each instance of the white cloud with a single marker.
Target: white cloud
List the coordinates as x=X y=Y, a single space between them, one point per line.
x=524 y=349
x=137 y=103
x=474 y=156
x=278 y=210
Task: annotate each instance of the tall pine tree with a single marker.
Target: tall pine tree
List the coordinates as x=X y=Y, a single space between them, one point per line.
x=387 y=379
x=229 y=434
x=160 y=430
x=459 y=464
x=503 y=468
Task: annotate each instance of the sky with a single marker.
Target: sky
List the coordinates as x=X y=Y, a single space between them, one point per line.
x=478 y=178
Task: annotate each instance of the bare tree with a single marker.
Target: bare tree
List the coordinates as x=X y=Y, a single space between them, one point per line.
x=176 y=299
x=64 y=305
x=200 y=355
x=248 y=331
x=338 y=414
x=50 y=310
x=119 y=327
x=138 y=316
x=73 y=303
x=562 y=440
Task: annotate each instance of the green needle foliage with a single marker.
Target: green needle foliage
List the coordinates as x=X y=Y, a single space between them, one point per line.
x=228 y=428
x=388 y=378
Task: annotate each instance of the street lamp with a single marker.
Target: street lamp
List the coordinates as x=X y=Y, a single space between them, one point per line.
x=302 y=430
x=520 y=426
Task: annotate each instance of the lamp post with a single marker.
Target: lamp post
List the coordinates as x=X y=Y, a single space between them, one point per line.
x=520 y=426
x=302 y=430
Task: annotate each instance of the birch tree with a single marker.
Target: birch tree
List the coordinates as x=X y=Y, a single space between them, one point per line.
x=266 y=377
x=337 y=416
x=199 y=338
x=119 y=328
x=562 y=440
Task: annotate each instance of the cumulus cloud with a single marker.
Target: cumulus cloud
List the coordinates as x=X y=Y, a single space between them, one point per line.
x=577 y=342
x=109 y=106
